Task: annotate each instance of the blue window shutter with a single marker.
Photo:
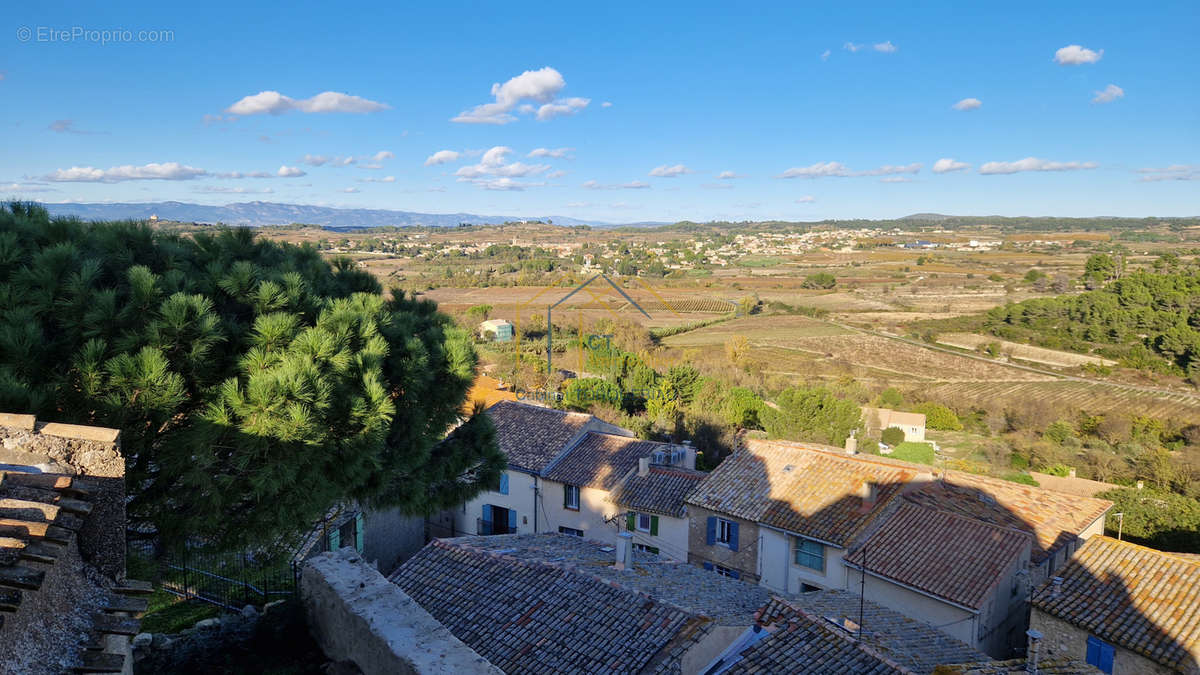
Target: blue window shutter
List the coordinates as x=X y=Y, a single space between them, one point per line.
x=504 y=483
x=358 y=532
x=334 y=539
x=1093 y=651
x=711 y=537
x=708 y=566
x=733 y=536
x=487 y=513
x=512 y=520
x=735 y=574
x=1107 y=652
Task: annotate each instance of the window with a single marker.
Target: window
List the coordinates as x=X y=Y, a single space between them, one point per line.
x=1100 y=654
x=810 y=554
x=724 y=531
x=809 y=588
x=643 y=522
x=573 y=532
x=503 y=483
x=642 y=548
x=723 y=571
x=571 y=497
x=721 y=532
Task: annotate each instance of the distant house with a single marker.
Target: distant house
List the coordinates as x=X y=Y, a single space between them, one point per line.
x=496 y=330
x=912 y=424
x=1123 y=608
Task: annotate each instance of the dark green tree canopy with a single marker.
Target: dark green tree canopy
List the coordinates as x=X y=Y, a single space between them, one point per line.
x=254 y=383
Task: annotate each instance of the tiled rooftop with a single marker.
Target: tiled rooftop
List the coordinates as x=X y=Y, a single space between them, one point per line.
x=536 y=615
x=1144 y=600
x=531 y=436
x=815 y=491
x=1054 y=518
x=910 y=547
x=600 y=460
x=1052 y=666
x=817 y=633
x=661 y=491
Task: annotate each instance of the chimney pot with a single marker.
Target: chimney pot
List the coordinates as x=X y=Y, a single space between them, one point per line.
x=624 y=551
x=1031 y=650
x=643 y=466
x=851 y=445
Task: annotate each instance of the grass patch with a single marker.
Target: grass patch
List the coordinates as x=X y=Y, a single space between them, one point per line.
x=169 y=613
x=920 y=453
x=1020 y=477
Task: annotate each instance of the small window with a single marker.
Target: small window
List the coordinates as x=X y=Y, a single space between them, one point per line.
x=643 y=522
x=642 y=548
x=572 y=532
x=571 y=497
x=810 y=554
x=724 y=531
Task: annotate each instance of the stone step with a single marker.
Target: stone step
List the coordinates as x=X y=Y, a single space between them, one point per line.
x=134 y=587
x=92 y=643
x=40 y=552
x=76 y=506
x=24 y=509
x=101 y=662
x=24 y=529
x=122 y=603
x=16 y=576
x=115 y=625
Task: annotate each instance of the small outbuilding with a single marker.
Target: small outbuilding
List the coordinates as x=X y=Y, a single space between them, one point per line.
x=496 y=330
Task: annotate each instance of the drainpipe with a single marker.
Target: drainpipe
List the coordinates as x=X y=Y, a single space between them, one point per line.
x=535 y=504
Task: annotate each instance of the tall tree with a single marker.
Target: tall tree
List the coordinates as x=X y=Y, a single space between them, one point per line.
x=255 y=384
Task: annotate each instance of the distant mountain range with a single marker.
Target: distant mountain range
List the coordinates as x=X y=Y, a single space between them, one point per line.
x=270 y=213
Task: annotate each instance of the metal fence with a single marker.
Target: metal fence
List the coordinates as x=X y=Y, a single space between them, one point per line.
x=229 y=580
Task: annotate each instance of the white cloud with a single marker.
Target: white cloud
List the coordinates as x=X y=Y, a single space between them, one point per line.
x=25 y=187
x=837 y=169
x=493 y=163
x=562 y=108
x=350 y=190
x=382 y=155
x=502 y=184
x=851 y=47
x=895 y=179
x=825 y=55
x=1173 y=172
x=275 y=103
x=1109 y=94
x=806 y=199
x=606 y=104
x=289 y=172
x=947 y=164
x=221 y=189
x=968 y=104
x=385 y=179
x=631 y=185
x=886 y=47
x=442 y=157
x=717 y=186
x=578 y=205
x=520 y=94
x=727 y=175
x=556 y=174
x=1033 y=164
x=246 y=174
x=665 y=171
x=1075 y=55
x=116 y=174
x=557 y=153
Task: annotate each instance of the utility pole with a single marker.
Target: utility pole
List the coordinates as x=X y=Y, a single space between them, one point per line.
x=1120 y=523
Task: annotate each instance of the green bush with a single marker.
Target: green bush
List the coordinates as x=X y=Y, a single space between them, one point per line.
x=892 y=436
x=939 y=417
x=820 y=280
x=583 y=393
x=811 y=414
x=1157 y=518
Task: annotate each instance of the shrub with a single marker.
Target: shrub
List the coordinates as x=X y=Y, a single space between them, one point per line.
x=938 y=416
x=820 y=280
x=892 y=436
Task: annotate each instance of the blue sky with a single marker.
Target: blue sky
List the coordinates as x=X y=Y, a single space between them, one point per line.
x=815 y=111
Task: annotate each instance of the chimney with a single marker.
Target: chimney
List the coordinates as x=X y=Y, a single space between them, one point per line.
x=644 y=466
x=1071 y=473
x=869 y=492
x=851 y=444
x=689 y=455
x=1031 y=651
x=1056 y=587
x=624 y=551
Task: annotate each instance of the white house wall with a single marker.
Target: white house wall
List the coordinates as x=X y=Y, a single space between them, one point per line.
x=954 y=621
x=594 y=508
x=519 y=499
x=781 y=573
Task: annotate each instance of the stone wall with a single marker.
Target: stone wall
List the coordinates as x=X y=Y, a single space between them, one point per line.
x=1066 y=640
x=745 y=559
x=357 y=615
x=390 y=537
x=92 y=452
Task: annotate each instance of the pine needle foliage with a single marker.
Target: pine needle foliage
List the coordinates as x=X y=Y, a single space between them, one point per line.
x=255 y=384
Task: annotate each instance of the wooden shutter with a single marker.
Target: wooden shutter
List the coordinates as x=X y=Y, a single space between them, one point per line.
x=711 y=535
x=566 y=496
x=487 y=519
x=504 y=483
x=334 y=539
x=512 y=520
x=733 y=535
x=630 y=521
x=654 y=525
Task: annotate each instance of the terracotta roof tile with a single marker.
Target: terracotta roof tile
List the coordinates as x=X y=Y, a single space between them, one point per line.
x=909 y=548
x=532 y=436
x=661 y=491
x=600 y=460
x=1142 y=599
x=814 y=491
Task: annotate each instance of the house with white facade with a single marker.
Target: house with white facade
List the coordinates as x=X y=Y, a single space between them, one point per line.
x=912 y=424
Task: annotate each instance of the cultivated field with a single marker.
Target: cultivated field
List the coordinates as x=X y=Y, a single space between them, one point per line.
x=1051 y=357
x=1068 y=396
